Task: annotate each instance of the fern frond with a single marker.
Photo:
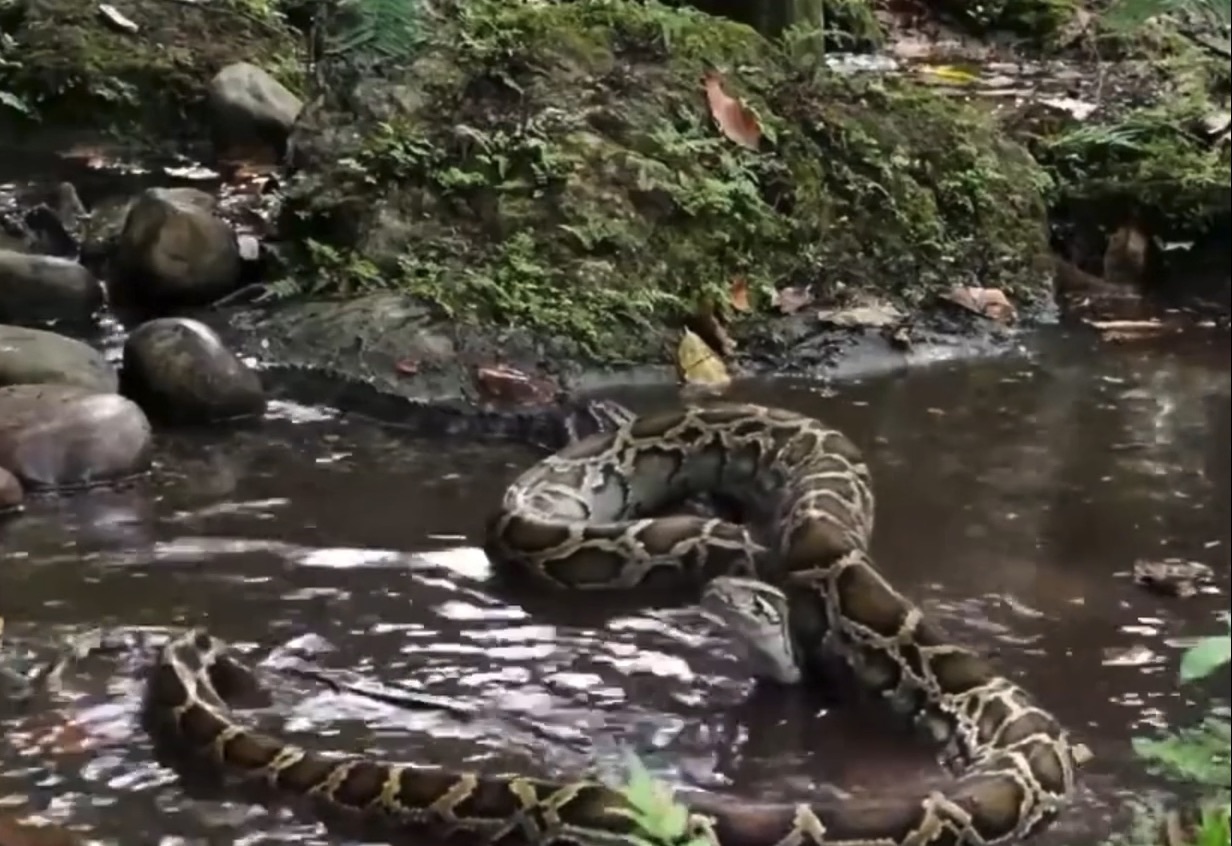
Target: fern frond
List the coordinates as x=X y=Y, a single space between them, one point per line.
x=384 y=30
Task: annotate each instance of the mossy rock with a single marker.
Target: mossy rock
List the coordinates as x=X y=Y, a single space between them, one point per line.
x=556 y=167
x=68 y=69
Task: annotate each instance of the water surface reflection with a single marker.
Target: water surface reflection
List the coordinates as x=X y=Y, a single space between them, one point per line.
x=1013 y=498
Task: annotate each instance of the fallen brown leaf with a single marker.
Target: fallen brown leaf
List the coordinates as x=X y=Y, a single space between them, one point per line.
x=63 y=738
x=791 y=300
x=510 y=385
x=735 y=120
x=986 y=302
x=740 y=294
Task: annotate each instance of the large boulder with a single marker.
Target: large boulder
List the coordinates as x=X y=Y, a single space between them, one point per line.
x=179 y=370
x=35 y=356
x=173 y=252
x=64 y=437
x=558 y=167
x=250 y=111
x=37 y=289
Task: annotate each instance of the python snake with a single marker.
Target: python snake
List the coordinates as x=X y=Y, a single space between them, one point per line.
x=579 y=519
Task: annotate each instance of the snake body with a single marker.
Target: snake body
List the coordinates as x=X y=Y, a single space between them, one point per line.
x=581 y=519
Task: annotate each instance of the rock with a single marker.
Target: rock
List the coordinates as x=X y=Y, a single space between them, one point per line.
x=48 y=234
x=46 y=289
x=35 y=356
x=173 y=252
x=249 y=108
x=100 y=231
x=101 y=228
x=62 y=436
x=10 y=491
x=179 y=370
x=69 y=207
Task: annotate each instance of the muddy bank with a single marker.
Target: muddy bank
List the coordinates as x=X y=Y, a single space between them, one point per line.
x=375 y=352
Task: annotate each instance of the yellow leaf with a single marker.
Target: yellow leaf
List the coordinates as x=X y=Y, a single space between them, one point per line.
x=949 y=73
x=697 y=363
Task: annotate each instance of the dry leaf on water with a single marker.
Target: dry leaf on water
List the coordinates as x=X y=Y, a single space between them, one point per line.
x=505 y=384
x=698 y=364
x=791 y=300
x=735 y=120
x=986 y=302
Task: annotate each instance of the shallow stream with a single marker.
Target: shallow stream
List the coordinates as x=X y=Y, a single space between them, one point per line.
x=1014 y=496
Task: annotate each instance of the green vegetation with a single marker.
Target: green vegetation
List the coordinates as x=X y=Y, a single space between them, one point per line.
x=852 y=25
x=849 y=25
x=1035 y=20
x=656 y=811
x=1151 y=159
x=1198 y=757
x=60 y=66
x=557 y=167
x=1152 y=151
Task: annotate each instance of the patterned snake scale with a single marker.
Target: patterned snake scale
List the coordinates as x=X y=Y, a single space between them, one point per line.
x=576 y=520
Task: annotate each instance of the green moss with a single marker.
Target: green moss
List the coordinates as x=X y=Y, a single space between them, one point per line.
x=852 y=25
x=1035 y=20
x=74 y=71
x=556 y=166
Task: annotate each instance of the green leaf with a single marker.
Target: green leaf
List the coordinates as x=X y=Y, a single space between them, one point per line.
x=1205 y=657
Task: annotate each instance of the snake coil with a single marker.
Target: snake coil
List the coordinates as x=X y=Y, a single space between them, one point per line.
x=579 y=520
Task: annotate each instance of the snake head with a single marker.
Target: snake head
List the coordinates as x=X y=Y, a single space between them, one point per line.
x=757 y=614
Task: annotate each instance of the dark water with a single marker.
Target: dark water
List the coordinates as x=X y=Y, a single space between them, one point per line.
x=1014 y=497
